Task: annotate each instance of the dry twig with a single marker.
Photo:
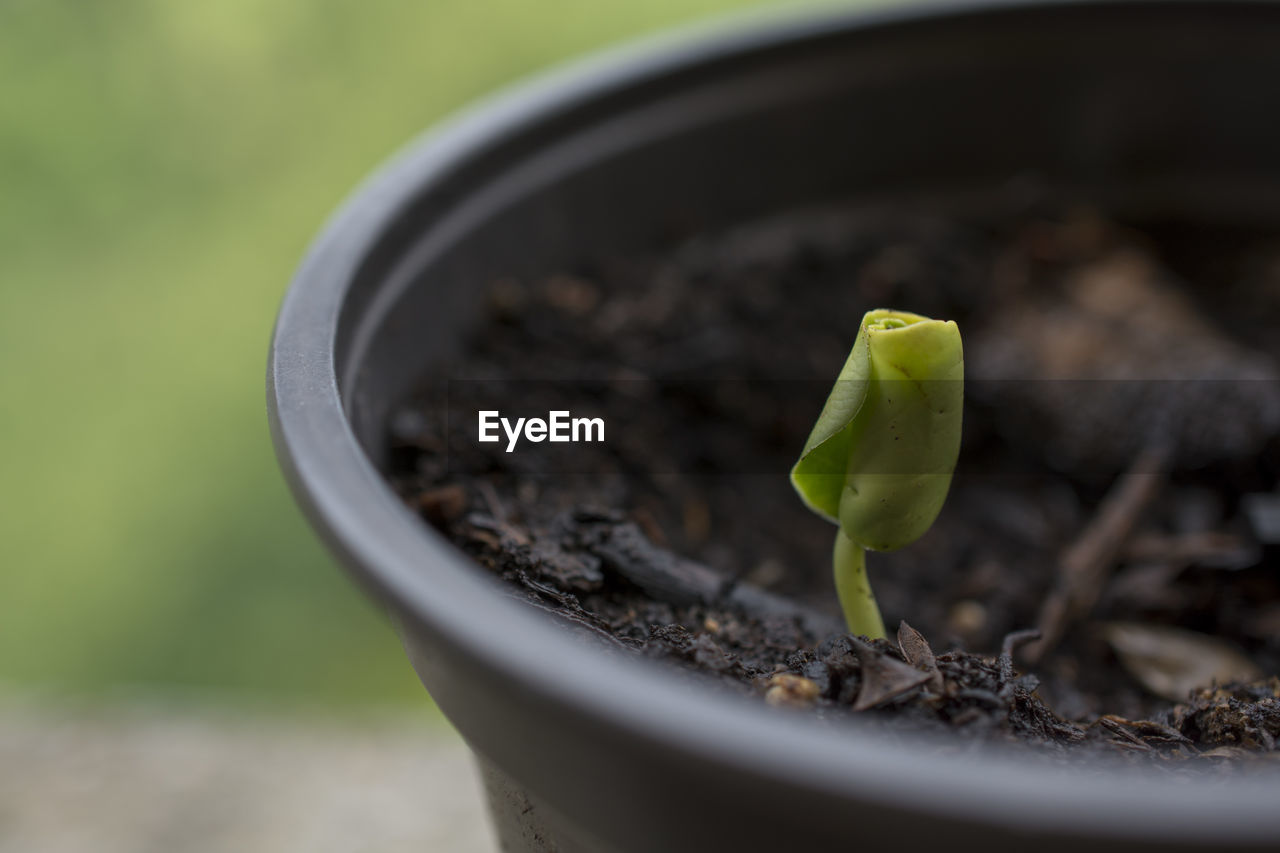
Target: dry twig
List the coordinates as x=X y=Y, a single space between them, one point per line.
x=1085 y=566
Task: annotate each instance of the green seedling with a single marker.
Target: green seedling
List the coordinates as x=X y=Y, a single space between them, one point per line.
x=879 y=460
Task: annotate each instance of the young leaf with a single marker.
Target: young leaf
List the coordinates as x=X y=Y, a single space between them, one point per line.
x=879 y=460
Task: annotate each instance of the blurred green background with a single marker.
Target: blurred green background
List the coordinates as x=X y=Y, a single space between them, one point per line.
x=163 y=166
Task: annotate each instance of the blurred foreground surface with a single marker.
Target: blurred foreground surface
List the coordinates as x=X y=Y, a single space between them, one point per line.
x=154 y=779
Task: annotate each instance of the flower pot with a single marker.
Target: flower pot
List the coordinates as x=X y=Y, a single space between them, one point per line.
x=1165 y=107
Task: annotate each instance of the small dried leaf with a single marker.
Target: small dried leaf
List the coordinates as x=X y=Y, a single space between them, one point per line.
x=915 y=648
x=1144 y=731
x=883 y=677
x=1171 y=662
x=1226 y=753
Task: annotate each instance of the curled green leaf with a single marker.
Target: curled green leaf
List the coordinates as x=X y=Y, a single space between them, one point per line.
x=880 y=457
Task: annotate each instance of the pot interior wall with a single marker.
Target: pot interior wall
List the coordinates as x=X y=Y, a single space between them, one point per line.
x=1149 y=111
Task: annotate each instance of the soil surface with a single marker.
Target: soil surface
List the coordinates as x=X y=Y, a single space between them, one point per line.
x=1103 y=578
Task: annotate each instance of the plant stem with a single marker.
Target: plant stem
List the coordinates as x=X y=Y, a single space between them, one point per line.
x=856 y=599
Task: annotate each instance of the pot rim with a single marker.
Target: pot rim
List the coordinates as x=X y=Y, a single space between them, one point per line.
x=384 y=545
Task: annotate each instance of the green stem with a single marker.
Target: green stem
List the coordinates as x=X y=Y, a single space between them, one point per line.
x=856 y=598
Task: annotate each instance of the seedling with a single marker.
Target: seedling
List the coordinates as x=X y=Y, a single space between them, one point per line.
x=879 y=460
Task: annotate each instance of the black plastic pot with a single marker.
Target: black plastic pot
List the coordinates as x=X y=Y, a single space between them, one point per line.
x=1147 y=107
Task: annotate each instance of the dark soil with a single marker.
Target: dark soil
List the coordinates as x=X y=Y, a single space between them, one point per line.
x=680 y=537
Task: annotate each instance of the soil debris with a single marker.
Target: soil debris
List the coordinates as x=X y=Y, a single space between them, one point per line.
x=883 y=677
x=1242 y=715
x=1111 y=334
